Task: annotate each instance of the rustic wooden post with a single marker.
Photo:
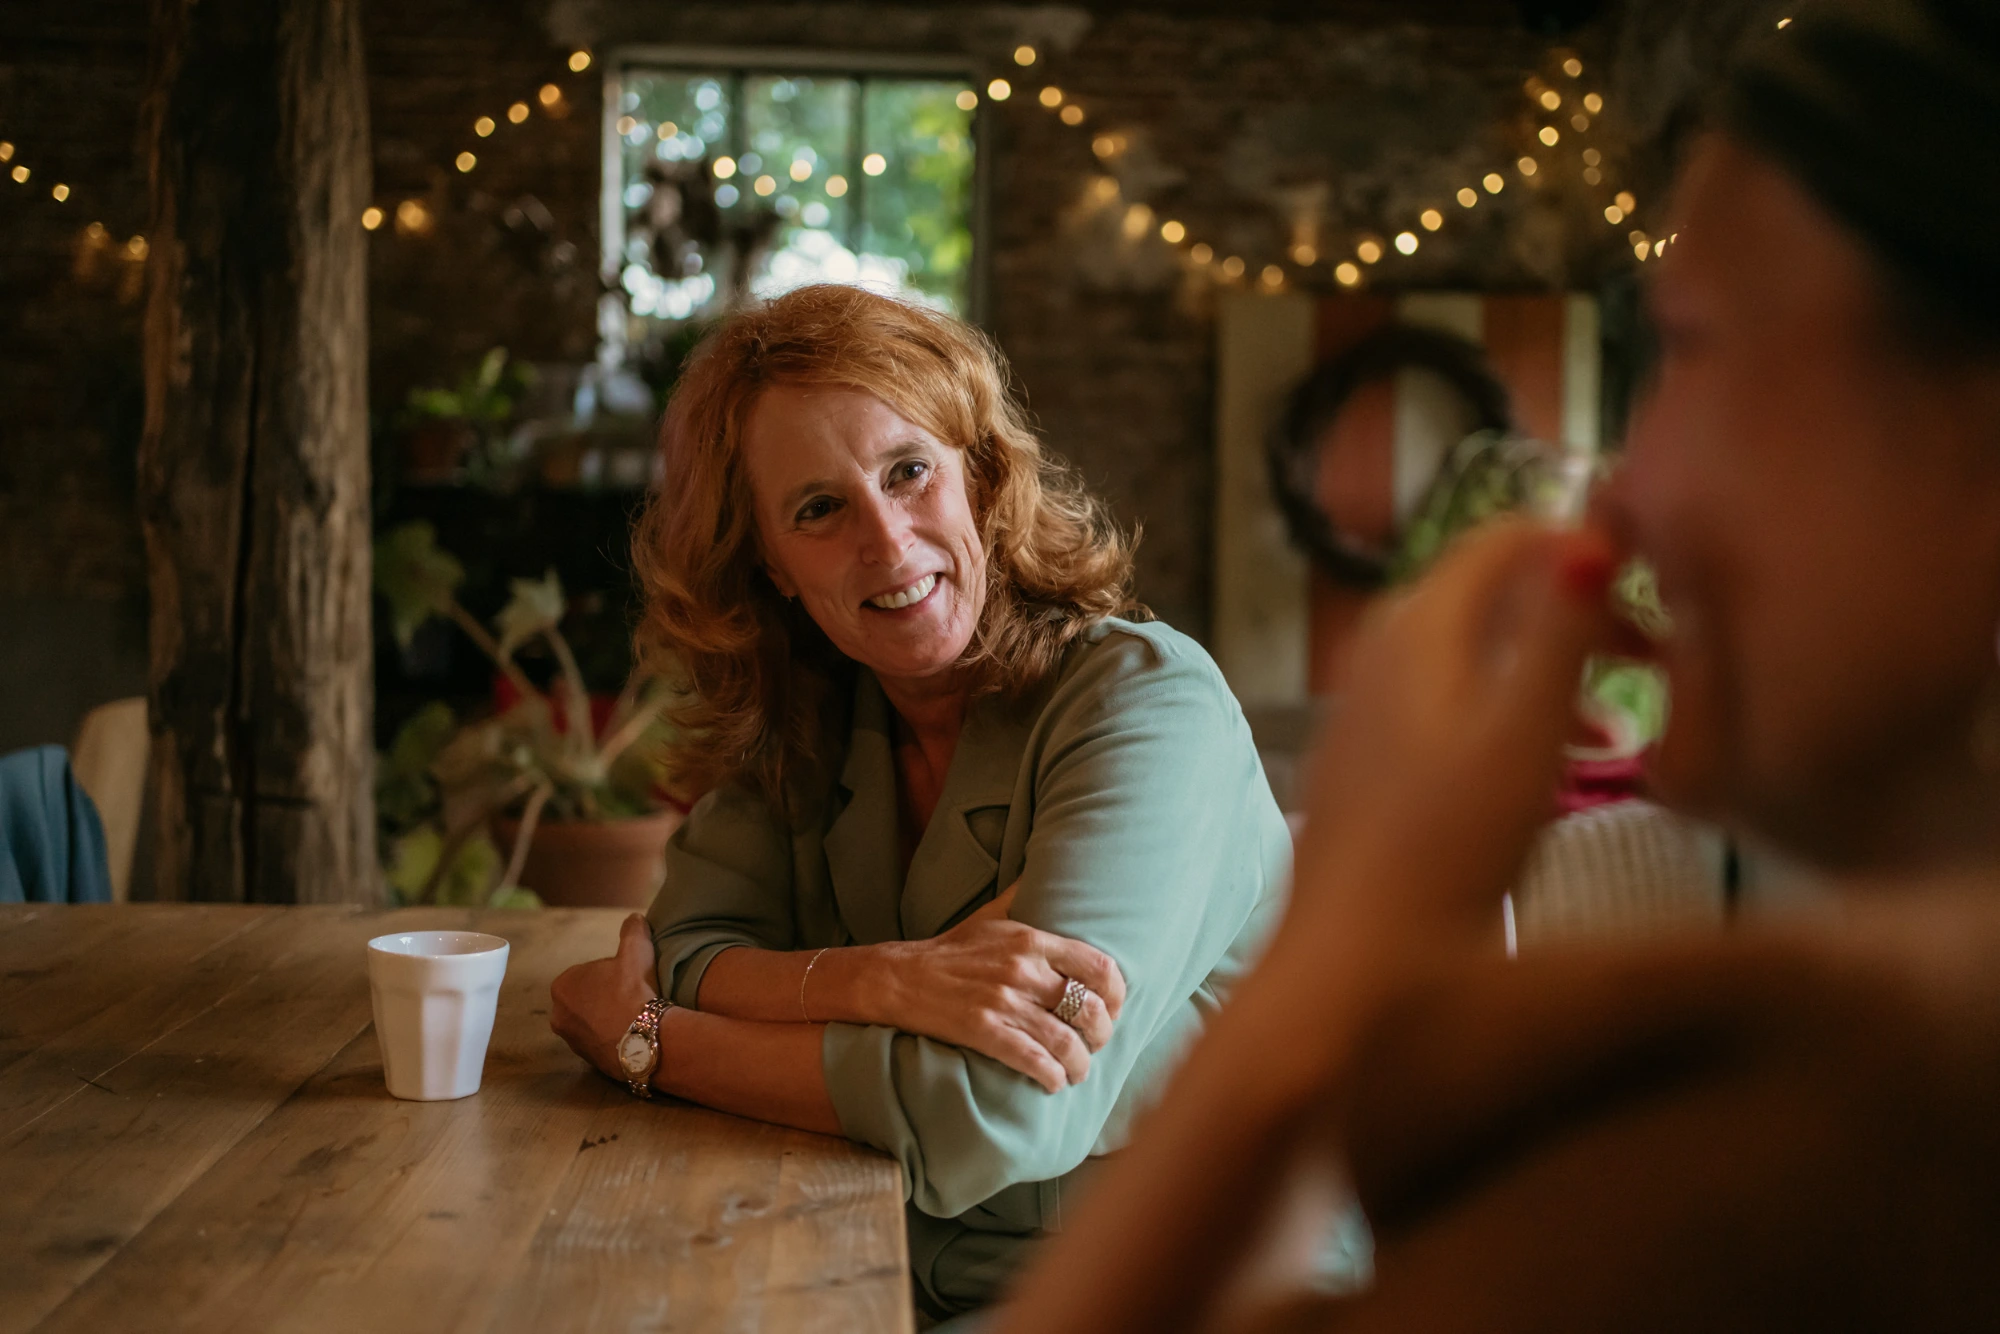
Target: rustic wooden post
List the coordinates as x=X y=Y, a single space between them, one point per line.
x=254 y=469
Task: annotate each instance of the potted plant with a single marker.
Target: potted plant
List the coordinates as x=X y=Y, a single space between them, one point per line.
x=569 y=786
x=446 y=426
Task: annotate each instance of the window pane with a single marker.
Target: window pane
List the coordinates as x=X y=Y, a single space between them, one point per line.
x=672 y=128
x=917 y=211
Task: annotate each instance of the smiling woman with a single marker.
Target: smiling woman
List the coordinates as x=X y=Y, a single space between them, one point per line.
x=983 y=844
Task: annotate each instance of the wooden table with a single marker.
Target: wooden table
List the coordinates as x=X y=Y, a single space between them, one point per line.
x=194 y=1134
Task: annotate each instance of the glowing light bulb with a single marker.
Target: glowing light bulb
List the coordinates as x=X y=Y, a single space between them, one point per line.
x=836 y=186
x=137 y=248
x=1627 y=202
x=967 y=100
x=1072 y=114
x=766 y=186
x=1579 y=122
x=724 y=168
x=466 y=162
x=1659 y=248
x=549 y=95
x=667 y=130
x=579 y=61
x=1614 y=215
x=1638 y=238
x=1025 y=56
x=1644 y=252
x=1305 y=256
x=1592 y=176
x=1592 y=157
x=802 y=170
x=518 y=112
x=874 y=164
x=1593 y=104
x=1528 y=166
x=483 y=127
x=1550 y=100
x=20 y=174
x=1494 y=183
x=1202 y=252
x=999 y=90
x=1550 y=136
x=1468 y=197
x=1104 y=145
x=1051 y=96
x=627 y=124
x=60 y=192
x=371 y=218
x=1406 y=242
x=1573 y=67
x=1431 y=219
x=1172 y=233
x=6 y=151
x=1347 y=275
x=1784 y=23
x=1232 y=268
x=1138 y=221
x=1369 y=252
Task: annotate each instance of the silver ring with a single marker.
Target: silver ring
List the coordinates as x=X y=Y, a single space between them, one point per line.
x=1071 y=1005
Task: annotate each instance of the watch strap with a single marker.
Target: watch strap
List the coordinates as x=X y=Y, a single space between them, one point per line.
x=647 y=1025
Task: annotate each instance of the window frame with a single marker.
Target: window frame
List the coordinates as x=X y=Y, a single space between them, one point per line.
x=742 y=62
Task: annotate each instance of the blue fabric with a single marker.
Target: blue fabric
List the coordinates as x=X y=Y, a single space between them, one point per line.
x=51 y=841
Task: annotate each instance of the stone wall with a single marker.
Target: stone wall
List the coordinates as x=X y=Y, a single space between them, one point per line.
x=1246 y=121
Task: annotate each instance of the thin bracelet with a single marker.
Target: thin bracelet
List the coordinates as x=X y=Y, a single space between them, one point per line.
x=803 y=1016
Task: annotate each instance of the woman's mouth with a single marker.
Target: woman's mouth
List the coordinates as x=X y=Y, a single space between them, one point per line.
x=905 y=597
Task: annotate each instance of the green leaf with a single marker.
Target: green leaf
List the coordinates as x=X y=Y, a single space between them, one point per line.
x=415 y=576
x=536 y=606
x=515 y=896
x=476 y=866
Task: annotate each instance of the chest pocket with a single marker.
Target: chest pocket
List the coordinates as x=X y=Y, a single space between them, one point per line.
x=989 y=828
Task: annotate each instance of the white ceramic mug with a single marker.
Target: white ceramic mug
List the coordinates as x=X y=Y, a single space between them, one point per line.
x=434 y=994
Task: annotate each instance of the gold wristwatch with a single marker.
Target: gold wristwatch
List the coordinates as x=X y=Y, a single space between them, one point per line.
x=639 y=1049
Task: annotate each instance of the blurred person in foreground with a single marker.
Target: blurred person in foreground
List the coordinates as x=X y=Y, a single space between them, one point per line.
x=984 y=846
x=1791 y=1126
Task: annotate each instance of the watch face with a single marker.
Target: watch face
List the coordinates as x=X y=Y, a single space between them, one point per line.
x=635 y=1054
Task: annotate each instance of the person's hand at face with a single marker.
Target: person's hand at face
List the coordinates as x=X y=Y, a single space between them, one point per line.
x=865 y=518
x=592 y=1005
x=1442 y=759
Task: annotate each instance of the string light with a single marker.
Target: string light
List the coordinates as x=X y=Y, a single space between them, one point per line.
x=518 y=112
x=1304 y=255
x=1104 y=145
x=1579 y=122
x=1432 y=220
x=1273 y=276
x=1592 y=158
x=1232 y=268
x=999 y=90
x=1406 y=242
x=60 y=193
x=466 y=162
x=412 y=217
x=1173 y=233
x=137 y=248
x=874 y=164
x=966 y=99
x=1138 y=221
x=1024 y=56
x=1369 y=252
x=724 y=168
x=20 y=175
x=766 y=186
x=1550 y=136
x=1468 y=197
x=1573 y=67
x=579 y=61
x=836 y=186
x=1593 y=104
x=627 y=124
x=483 y=127
x=667 y=130
x=1783 y=24
x=1347 y=275
x=1494 y=183
x=1051 y=96
x=1072 y=114
x=549 y=95
x=371 y=218
x=1592 y=176
x=1528 y=166
x=1614 y=215
x=1551 y=100
x=1627 y=202
x=1201 y=252
x=6 y=151
x=802 y=170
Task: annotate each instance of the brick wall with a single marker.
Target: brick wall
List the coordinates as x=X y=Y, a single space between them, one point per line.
x=1233 y=111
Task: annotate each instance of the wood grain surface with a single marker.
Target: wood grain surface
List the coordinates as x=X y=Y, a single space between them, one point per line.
x=194 y=1134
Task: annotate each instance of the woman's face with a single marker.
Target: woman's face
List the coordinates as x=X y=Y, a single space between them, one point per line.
x=1822 y=504
x=865 y=519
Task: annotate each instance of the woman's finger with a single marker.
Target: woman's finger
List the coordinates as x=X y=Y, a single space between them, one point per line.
x=1019 y=1052
x=1059 y=1040
x=1093 y=1023
x=1088 y=965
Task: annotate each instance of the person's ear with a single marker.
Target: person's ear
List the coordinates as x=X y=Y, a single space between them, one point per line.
x=786 y=588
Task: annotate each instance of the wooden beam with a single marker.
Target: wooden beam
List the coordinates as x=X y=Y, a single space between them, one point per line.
x=254 y=466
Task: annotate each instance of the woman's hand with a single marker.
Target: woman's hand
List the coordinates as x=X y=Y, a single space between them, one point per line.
x=1442 y=759
x=593 y=1004
x=991 y=985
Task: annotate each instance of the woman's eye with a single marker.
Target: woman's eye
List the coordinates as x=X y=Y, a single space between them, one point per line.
x=817 y=508
x=911 y=470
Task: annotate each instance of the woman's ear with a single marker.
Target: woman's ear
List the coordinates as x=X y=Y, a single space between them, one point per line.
x=786 y=588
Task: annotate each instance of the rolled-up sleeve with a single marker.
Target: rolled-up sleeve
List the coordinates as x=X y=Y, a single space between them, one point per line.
x=728 y=883
x=1152 y=841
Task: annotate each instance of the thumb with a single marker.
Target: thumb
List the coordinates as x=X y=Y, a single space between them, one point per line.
x=1565 y=619
x=635 y=944
x=996 y=911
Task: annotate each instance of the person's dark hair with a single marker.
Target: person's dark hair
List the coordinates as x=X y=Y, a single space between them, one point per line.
x=1884 y=110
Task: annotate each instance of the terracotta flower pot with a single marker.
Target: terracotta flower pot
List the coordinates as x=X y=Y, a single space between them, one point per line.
x=594 y=863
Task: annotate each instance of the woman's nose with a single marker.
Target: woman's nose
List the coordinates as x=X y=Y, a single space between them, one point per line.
x=885 y=533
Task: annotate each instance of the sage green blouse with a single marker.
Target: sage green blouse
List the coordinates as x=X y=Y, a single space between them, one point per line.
x=1127 y=800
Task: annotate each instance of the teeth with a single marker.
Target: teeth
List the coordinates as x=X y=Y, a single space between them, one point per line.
x=910 y=596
